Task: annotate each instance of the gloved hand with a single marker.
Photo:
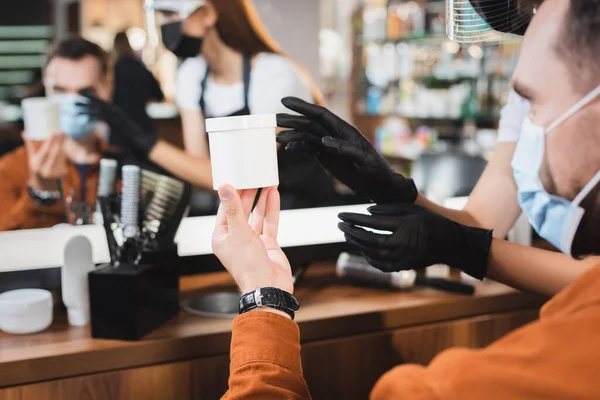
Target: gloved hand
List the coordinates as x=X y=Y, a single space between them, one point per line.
x=139 y=141
x=419 y=238
x=344 y=152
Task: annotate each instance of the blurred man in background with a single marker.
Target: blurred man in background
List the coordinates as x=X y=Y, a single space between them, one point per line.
x=55 y=181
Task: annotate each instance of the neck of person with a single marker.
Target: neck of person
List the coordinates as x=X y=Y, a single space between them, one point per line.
x=83 y=151
x=225 y=63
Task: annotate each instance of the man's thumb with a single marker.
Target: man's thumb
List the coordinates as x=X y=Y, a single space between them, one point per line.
x=234 y=210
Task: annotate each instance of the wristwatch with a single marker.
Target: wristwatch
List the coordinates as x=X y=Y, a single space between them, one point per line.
x=269 y=297
x=43 y=197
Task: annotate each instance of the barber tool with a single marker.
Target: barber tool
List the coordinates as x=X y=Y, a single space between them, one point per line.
x=130 y=201
x=165 y=201
x=139 y=290
x=107 y=178
x=105 y=198
x=130 y=251
x=148 y=212
x=357 y=269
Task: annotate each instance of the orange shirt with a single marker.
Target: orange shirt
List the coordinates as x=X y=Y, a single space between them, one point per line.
x=19 y=211
x=556 y=357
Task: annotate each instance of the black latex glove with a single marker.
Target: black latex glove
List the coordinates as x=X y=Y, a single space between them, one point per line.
x=419 y=238
x=120 y=124
x=344 y=152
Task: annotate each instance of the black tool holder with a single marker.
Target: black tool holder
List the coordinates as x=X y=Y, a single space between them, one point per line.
x=128 y=301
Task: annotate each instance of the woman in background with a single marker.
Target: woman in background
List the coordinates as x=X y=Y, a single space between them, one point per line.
x=231 y=67
x=134 y=86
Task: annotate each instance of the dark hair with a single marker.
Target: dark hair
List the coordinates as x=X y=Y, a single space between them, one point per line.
x=580 y=43
x=75 y=48
x=239 y=27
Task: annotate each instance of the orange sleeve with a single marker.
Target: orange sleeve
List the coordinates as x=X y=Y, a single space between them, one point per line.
x=265 y=358
x=553 y=358
x=13 y=200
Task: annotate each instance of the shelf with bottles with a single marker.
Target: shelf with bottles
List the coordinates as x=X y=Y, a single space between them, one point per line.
x=400 y=139
x=477 y=99
x=401 y=19
x=480 y=119
x=417 y=81
x=404 y=65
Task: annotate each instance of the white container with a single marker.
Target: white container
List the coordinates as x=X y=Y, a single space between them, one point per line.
x=78 y=263
x=243 y=151
x=25 y=311
x=41 y=117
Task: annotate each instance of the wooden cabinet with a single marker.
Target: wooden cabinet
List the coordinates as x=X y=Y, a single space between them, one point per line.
x=337 y=368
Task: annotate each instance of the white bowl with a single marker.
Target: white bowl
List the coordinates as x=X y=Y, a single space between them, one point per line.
x=25 y=311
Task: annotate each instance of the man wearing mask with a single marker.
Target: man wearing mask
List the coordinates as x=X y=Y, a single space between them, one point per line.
x=556 y=167
x=44 y=184
x=424 y=233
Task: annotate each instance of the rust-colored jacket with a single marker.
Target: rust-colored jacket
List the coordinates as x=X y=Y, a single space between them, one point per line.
x=19 y=211
x=556 y=357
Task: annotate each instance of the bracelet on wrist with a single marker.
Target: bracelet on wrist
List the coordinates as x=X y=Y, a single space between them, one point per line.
x=43 y=197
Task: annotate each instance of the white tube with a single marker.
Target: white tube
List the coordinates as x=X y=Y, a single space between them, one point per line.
x=78 y=263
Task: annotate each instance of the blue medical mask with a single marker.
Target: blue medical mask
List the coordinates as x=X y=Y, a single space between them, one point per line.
x=73 y=122
x=554 y=218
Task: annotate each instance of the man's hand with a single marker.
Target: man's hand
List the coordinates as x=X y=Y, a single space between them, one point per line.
x=47 y=161
x=249 y=250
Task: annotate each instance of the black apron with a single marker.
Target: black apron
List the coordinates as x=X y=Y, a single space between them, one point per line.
x=246 y=76
x=303 y=183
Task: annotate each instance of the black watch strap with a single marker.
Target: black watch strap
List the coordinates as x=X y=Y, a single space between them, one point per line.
x=43 y=197
x=269 y=297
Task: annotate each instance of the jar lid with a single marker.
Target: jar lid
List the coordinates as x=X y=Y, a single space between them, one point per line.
x=21 y=300
x=241 y=123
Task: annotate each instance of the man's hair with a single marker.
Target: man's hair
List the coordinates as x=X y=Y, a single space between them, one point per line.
x=580 y=43
x=76 y=48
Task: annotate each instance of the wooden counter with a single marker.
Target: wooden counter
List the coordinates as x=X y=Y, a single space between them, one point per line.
x=350 y=337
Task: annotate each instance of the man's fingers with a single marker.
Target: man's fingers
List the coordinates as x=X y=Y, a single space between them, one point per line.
x=248 y=197
x=54 y=156
x=233 y=209
x=271 y=222
x=257 y=218
x=40 y=156
x=221 y=221
x=29 y=146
